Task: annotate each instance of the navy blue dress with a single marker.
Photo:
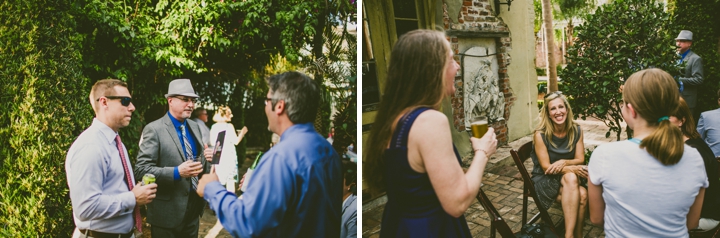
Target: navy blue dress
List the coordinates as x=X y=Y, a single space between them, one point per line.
x=413 y=208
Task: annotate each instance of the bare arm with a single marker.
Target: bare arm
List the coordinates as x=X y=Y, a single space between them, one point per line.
x=693 y=216
x=578 y=160
x=597 y=204
x=241 y=134
x=430 y=150
x=542 y=153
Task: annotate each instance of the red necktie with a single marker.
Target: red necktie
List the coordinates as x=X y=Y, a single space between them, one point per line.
x=136 y=212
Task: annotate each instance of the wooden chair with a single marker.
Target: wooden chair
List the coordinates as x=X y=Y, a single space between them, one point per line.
x=520 y=156
x=496 y=222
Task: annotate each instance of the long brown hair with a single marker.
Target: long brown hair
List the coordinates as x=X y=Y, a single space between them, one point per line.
x=414 y=79
x=654 y=94
x=684 y=114
x=547 y=126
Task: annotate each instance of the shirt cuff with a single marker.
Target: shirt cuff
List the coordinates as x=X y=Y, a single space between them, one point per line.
x=129 y=199
x=213 y=189
x=176 y=174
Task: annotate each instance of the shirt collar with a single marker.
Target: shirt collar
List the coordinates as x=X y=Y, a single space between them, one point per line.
x=107 y=132
x=684 y=54
x=296 y=129
x=175 y=122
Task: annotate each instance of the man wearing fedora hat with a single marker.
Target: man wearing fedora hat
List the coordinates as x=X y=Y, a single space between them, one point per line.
x=171 y=149
x=691 y=76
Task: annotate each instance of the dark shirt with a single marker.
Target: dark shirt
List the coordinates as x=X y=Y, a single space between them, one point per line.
x=711 y=202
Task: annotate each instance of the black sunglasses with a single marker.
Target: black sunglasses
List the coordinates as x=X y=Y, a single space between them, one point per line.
x=125 y=101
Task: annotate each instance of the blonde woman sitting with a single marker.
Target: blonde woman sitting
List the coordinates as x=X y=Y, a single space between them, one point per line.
x=558 y=158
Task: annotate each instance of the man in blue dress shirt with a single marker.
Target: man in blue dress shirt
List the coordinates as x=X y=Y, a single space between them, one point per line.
x=709 y=128
x=296 y=189
x=105 y=196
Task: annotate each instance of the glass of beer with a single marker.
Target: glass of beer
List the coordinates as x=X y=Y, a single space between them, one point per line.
x=479 y=126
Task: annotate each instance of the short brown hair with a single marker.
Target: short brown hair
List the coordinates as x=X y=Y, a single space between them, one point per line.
x=102 y=88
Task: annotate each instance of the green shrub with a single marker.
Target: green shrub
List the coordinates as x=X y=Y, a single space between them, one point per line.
x=621 y=38
x=45 y=108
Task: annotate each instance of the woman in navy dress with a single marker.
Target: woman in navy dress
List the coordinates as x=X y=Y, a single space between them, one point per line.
x=410 y=154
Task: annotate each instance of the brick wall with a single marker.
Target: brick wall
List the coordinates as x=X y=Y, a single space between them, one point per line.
x=476 y=17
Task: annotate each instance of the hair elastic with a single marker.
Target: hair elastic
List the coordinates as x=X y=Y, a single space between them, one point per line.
x=663 y=118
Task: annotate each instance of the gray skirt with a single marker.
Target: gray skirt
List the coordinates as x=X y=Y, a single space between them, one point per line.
x=547 y=188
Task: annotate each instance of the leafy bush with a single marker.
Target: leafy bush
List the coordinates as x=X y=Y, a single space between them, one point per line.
x=45 y=108
x=621 y=38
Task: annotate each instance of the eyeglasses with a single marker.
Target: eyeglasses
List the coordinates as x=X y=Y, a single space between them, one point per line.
x=125 y=101
x=186 y=99
x=554 y=93
x=268 y=99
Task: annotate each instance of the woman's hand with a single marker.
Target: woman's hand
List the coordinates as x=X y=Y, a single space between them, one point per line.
x=486 y=144
x=580 y=170
x=556 y=168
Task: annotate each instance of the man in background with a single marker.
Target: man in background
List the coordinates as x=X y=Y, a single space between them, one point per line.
x=200 y=116
x=692 y=76
x=709 y=128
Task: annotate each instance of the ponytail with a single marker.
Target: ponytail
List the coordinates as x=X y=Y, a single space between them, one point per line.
x=665 y=143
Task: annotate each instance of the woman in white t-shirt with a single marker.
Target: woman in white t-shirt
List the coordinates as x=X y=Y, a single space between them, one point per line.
x=227 y=168
x=653 y=184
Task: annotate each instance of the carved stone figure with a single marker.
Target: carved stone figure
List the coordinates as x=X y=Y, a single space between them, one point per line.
x=482 y=93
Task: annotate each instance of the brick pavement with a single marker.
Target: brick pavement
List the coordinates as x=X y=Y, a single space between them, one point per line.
x=503 y=185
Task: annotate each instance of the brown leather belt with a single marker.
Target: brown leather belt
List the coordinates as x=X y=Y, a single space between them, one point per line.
x=97 y=234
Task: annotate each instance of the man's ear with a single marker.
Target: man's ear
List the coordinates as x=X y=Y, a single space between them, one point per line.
x=103 y=102
x=280 y=107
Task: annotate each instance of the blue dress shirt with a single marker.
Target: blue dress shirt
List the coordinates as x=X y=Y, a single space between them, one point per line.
x=191 y=139
x=709 y=129
x=295 y=191
x=99 y=193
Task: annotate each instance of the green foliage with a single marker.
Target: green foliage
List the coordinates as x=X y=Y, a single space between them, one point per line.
x=45 y=108
x=700 y=17
x=588 y=154
x=53 y=51
x=621 y=38
x=568 y=9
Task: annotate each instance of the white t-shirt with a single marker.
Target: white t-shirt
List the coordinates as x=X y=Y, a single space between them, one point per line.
x=643 y=197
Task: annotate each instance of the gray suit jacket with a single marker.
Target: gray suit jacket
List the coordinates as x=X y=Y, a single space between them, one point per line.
x=160 y=152
x=349 y=218
x=692 y=78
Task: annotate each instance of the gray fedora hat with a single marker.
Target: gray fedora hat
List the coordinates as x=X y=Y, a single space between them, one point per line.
x=685 y=35
x=181 y=87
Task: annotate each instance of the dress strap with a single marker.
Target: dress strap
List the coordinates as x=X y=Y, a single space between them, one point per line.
x=402 y=130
